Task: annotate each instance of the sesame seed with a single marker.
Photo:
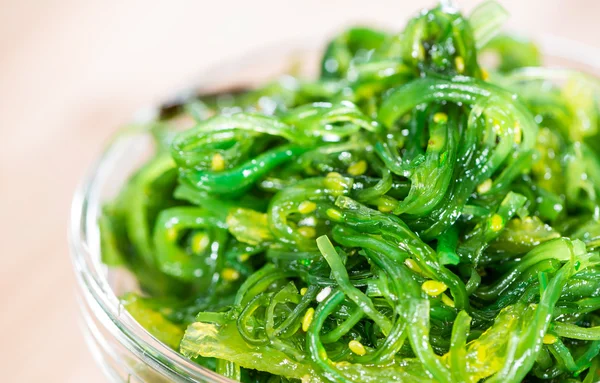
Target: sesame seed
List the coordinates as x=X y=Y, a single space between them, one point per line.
x=549 y=339
x=357 y=168
x=230 y=274
x=485 y=75
x=357 y=347
x=200 y=242
x=413 y=265
x=334 y=214
x=518 y=133
x=335 y=183
x=323 y=354
x=459 y=62
x=447 y=301
x=217 y=163
x=386 y=204
x=440 y=117
x=496 y=223
x=307 y=207
x=323 y=294
x=485 y=186
x=171 y=234
x=307 y=320
x=433 y=288
x=307 y=231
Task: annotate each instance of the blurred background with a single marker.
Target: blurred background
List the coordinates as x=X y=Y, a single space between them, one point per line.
x=73 y=71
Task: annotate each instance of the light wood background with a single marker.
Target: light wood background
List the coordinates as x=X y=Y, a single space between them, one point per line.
x=72 y=71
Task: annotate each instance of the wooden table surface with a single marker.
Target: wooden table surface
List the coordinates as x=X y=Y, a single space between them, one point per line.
x=72 y=71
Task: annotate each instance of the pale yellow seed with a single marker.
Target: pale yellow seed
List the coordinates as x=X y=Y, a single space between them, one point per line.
x=485 y=75
x=323 y=354
x=200 y=242
x=303 y=291
x=334 y=214
x=421 y=52
x=386 y=204
x=433 y=288
x=357 y=168
x=217 y=163
x=307 y=320
x=518 y=133
x=496 y=127
x=496 y=223
x=413 y=265
x=307 y=231
x=485 y=186
x=171 y=234
x=447 y=301
x=307 y=207
x=230 y=274
x=335 y=183
x=549 y=339
x=357 y=347
x=459 y=62
x=440 y=117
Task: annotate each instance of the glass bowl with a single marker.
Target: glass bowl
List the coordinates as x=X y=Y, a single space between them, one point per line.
x=125 y=351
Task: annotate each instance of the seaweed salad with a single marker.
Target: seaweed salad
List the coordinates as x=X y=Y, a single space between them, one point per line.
x=414 y=214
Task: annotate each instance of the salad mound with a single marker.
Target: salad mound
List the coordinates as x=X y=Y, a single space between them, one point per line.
x=411 y=215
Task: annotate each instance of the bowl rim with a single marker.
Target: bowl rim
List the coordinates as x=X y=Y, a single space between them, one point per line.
x=89 y=274
x=97 y=292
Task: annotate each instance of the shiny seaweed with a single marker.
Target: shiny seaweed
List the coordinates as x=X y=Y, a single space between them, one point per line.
x=411 y=215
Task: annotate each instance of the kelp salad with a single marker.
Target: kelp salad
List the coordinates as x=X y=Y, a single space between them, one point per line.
x=409 y=216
